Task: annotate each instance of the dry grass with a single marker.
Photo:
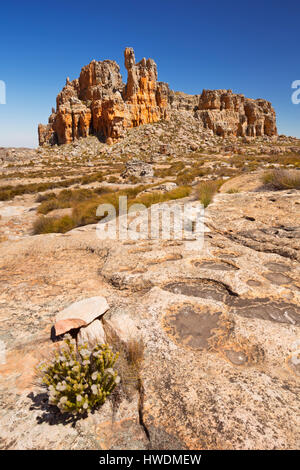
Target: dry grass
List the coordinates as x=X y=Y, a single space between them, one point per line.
x=53 y=224
x=67 y=198
x=233 y=191
x=206 y=190
x=130 y=360
x=282 y=179
x=84 y=212
x=8 y=192
x=148 y=199
x=254 y=161
x=135 y=352
x=172 y=170
x=186 y=177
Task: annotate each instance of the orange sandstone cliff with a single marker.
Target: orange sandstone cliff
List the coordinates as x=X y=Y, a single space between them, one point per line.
x=99 y=103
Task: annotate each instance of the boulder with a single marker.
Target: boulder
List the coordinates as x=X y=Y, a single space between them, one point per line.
x=121 y=325
x=92 y=334
x=138 y=169
x=80 y=314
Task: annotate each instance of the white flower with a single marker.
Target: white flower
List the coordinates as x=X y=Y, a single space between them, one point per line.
x=94 y=389
x=61 y=386
x=85 y=352
x=94 y=375
x=79 y=398
x=117 y=380
x=85 y=405
x=110 y=371
x=63 y=400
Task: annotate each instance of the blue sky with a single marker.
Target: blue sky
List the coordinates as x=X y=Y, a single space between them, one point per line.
x=251 y=47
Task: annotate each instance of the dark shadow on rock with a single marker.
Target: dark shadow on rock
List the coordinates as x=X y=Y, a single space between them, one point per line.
x=55 y=338
x=50 y=413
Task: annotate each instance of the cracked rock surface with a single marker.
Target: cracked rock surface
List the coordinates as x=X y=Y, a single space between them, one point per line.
x=220 y=327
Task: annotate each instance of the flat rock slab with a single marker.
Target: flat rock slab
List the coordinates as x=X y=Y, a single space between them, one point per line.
x=80 y=314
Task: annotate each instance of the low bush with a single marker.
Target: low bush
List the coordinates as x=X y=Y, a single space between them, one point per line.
x=53 y=224
x=282 y=179
x=79 y=380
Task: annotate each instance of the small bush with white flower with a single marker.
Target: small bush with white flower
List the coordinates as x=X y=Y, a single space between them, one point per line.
x=79 y=380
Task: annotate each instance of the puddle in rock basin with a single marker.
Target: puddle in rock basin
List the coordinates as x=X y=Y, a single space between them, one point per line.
x=278 y=278
x=266 y=309
x=253 y=283
x=277 y=267
x=190 y=326
x=261 y=308
x=203 y=288
x=215 y=265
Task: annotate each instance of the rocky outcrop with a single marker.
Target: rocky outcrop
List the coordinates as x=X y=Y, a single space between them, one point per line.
x=99 y=103
x=229 y=114
x=138 y=169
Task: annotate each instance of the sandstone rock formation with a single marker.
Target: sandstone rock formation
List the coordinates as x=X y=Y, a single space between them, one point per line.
x=99 y=103
x=227 y=113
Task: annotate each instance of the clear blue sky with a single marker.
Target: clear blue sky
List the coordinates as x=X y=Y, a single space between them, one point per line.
x=251 y=47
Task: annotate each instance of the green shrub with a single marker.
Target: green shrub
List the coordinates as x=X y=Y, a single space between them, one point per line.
x=79 y=381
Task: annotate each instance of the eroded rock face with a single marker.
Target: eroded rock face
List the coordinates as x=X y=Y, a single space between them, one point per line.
x=99 y=103
x=226 y=113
